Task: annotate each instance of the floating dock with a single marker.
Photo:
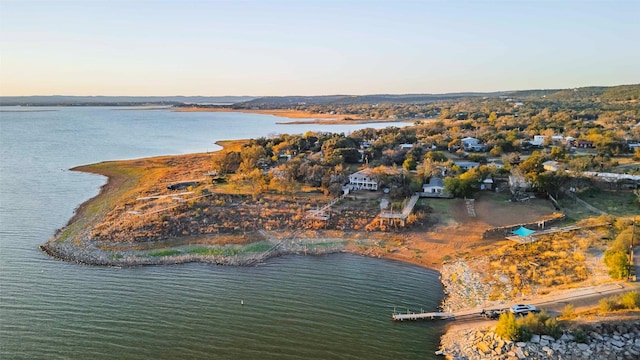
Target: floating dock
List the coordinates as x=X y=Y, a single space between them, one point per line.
x=422 y=316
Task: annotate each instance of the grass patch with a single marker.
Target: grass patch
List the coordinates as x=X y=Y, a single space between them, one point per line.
x=325 y=244
x=208 y=251
x=617 y=203
x=257 y=247
x=442 y=208
x=164 y=252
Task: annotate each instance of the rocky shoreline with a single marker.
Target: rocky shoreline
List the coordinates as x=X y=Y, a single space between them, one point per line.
x=89 y=254
x=605 y=340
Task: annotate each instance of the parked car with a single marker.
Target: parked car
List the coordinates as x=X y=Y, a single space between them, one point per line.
x=523 y=310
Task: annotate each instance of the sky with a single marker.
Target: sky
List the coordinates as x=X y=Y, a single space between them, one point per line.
x=310 y=47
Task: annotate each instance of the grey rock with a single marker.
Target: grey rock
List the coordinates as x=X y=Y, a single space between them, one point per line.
x=617 y=343
x=583 y=347
x=535 y=339
x=548 y=338
x=544 y=342
x=567 y=337
x=521 y=344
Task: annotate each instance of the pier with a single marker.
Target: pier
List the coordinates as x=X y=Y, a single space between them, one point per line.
x=392 y=217
x=422 y=316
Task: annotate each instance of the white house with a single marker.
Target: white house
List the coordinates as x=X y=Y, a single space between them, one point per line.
x=538 y=140
x=472 y=144
x=363 y=180
x=487 y=184
x=466 y=165
x=468 y=141
x=435 y=186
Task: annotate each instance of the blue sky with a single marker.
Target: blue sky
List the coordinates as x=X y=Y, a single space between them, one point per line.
x=313 y=47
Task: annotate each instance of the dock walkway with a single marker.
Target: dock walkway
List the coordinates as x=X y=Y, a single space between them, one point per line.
x=533 y=237
x=422 y=316
x=406 y=211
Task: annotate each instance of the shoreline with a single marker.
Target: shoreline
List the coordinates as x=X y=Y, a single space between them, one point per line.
x=310 y=118
x=73 y=242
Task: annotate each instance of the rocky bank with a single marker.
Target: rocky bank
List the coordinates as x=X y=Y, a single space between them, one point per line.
x=609 y=340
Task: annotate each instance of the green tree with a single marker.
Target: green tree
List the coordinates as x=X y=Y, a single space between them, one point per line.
x=409 y=163
x=436 y=156
x=226 y=162
x=552 y=182
x=492 y=118
x=617 y=262
x=630 y=300
x=250 y=156
x=507 y=327
x=532 y=166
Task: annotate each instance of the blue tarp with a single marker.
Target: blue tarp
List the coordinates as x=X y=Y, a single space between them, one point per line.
x=523 y=231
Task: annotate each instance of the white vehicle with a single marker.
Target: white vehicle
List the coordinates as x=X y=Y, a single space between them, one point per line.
x=523 y=310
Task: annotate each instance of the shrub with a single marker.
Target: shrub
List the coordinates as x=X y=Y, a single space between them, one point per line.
x=531 y=323
x=552 y=328
x=569 y=311
x=524 y=334
x=630 y=300
x=540 y=323
x=580 y=336
x=607 y=304
x=507 y=327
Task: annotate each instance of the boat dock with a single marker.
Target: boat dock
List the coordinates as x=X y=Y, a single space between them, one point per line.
x=422 y=316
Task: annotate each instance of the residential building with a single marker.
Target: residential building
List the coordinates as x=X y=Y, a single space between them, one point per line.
x=466 y=165
x=538 y=140
x=364 y=180
x=472 y=144
x=435 y=186
x=582 y=144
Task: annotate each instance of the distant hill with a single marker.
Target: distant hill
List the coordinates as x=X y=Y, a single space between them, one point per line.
x=611 y=93
x=280 y=101
x=58 y=100
x=592 y=93
x=599 y=93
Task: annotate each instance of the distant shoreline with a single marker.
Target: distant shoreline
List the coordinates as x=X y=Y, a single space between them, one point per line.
x=309 y=117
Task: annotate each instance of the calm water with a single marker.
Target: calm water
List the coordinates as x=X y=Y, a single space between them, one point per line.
x=329 y=307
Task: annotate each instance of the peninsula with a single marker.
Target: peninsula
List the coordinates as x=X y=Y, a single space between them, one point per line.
x=447 y=193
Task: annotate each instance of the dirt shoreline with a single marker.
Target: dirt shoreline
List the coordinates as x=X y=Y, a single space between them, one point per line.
x=315 y=118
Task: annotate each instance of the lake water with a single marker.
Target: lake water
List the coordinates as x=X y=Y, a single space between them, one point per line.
x=328 y=307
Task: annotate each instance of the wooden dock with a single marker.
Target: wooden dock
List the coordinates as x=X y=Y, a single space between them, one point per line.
x=422 y=316
x=533 y=237
x=402 y=217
